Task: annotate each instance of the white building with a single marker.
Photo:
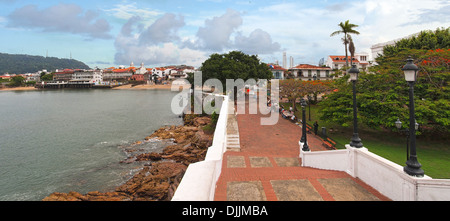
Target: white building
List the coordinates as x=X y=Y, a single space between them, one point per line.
x=339 y=61
x=34 y=76
x=310 y=72
x=277 y=71
x=377 y=49
x=88 y=76
x=141 y=70
x=161 y=72
x=180 y=73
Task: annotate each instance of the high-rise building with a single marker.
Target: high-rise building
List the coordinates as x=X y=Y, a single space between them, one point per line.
x=284 y=60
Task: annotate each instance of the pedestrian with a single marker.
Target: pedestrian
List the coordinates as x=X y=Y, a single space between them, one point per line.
x=316 y=127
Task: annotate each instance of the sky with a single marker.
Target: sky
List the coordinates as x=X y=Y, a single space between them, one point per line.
x=106 y=33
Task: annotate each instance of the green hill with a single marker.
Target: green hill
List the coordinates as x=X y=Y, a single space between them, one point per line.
x=20 y=64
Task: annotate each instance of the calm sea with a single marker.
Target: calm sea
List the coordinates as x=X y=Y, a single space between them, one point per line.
x=73 y=140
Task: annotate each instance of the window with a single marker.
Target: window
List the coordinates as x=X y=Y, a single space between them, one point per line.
x=363 y=58
x=277 y=75
x=309 y=73
x=327 y=73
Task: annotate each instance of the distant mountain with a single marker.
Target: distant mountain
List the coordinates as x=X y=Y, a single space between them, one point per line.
x=21 y=64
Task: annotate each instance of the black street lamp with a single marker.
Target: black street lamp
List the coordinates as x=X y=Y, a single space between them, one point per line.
x=398 y=124
x=304 y=139
x=309 y=107
x=412 y=164
x=355 y=141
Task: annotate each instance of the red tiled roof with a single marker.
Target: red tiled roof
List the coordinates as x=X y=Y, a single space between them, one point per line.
x=308 y=66
x=338 y=58
x=276 y=67
x=130 y=69
x=65 y=71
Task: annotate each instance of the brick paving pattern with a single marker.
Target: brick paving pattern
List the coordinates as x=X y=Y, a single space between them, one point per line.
x=267 y=167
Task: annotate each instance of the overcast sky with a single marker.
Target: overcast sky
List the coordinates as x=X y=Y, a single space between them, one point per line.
x=107 y=33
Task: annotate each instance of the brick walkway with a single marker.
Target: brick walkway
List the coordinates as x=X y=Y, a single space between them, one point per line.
x=267 y=168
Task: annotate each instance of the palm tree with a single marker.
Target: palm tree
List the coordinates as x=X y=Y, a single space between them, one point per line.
x=351 y=48
x=346 y=29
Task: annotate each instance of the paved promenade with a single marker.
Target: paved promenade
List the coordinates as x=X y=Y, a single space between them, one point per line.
x=266 y=167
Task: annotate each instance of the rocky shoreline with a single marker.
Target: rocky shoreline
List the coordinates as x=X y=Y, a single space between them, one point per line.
x=160 y=177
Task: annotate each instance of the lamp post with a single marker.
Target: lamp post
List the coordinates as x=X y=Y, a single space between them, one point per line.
x=355 y=141
x=398 y=124
x=304 y=139
x=309 y=107
x=412 y=164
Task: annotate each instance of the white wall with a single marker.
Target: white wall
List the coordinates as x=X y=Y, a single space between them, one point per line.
x=385 y=176
x=199 y=181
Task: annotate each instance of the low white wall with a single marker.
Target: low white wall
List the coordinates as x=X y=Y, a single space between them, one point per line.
x=385 y=176
x=199 y=181
x=333 y=160
x=433 y=190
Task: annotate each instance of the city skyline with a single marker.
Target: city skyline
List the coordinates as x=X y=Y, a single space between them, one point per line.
x=111 y=33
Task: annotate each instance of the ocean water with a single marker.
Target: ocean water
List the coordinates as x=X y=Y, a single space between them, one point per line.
x=73 y=140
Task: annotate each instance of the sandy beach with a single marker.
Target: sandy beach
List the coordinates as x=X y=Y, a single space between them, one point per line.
x=19 y=89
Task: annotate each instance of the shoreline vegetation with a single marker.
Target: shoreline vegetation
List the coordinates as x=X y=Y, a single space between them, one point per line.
x=162 y=172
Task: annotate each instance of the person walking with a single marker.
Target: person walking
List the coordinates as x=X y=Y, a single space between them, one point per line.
x=316 y=127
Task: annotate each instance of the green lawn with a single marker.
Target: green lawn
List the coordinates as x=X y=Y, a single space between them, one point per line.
x=432 y=153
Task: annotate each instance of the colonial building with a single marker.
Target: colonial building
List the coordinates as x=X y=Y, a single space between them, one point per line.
x=161 y=71
x=310 y=72
x=140 y=74
x=277 y=71
x=88 y=76
x=180 y=72
x=63 y=75
x=34 y=76
x=336 y=62
x=120 y=75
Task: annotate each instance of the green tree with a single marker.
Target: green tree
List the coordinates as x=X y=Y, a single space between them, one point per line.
x=30 y=83
x=17 y=81
x=427 y=40
x=47 y=77
x=346 y=28
x=21 y=64
x=293 y=89
x=234 y=65
x=383 y=96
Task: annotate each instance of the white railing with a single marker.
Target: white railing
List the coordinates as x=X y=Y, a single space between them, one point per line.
x=199 y=181
x=385 y=176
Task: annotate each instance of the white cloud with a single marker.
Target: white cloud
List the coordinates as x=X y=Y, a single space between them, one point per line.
x=155 y=45
x=215 y=35
x=68 y=18
x=162 y=54
x=302 y=30
x=161 y=43
x=162 y=30
x=126 y=11
x=259 y=42
x=222 y=33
